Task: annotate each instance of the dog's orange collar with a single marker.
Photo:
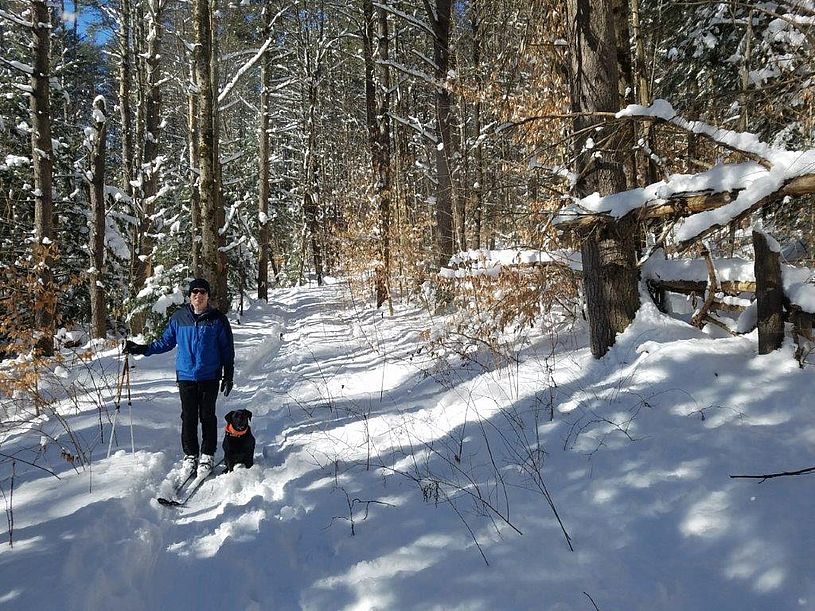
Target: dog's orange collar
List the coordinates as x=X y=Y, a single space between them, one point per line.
x=231 y=431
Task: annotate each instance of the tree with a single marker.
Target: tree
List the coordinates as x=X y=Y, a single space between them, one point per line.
x=377 y=109
x=42 y=158
x=440 y=17
x=212 y=259
x=315 y=44
x=125 y=49
x=96 y=143
x=263 y=159
x=608 y=249
x=149 y=160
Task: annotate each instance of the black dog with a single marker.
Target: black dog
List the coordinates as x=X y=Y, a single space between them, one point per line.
x=239 y=443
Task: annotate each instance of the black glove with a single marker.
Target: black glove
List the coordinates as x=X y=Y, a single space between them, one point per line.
x=134 y=348
x=226 y=386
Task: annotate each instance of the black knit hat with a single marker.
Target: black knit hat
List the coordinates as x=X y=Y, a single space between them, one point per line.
x=198 y=283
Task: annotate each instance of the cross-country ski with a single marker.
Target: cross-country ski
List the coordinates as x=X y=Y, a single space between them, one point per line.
x=186 y=492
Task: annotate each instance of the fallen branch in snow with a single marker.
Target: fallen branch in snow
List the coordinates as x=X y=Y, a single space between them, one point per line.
x=718 y=323
x=772 y=475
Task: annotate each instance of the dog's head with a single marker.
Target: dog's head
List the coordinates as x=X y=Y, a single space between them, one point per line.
x=239 y=419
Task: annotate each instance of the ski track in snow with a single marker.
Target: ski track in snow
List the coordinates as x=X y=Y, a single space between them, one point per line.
x=651 y=432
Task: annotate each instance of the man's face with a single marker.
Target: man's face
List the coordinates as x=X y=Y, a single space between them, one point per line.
x=199 y=298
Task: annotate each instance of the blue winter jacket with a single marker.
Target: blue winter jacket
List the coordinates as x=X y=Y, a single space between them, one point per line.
x=205 y=346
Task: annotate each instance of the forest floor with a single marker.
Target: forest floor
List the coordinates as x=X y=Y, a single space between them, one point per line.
x=387 y=480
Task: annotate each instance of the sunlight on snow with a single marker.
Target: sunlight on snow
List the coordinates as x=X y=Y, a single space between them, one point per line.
x=369 y=579
x=756 y=562
x=708 y=517
x=242 y=528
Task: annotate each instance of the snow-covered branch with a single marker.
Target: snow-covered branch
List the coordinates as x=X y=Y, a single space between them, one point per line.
x=409 y=18
x=415 y=125
x=413 y=72
x=15 y=19
x=248 y=65
x=243 y=70
x=24 y=68
x=708 y=200
x=742 y=142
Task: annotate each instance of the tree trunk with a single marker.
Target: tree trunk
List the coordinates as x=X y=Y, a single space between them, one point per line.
x=440 y=18
x=221 y=296
x=626 y=89
x=42 y=158
x=769 y=295
x=195 y=199
x=609 y=264
x=379 y=137
x=97 y=199
x=207 y=152
x=478 y=186
x=126 y=51
x=263 y=167
x=148 y=171
x=643 y=91
x=137 y=71
x=310 y=197
x=463 y=182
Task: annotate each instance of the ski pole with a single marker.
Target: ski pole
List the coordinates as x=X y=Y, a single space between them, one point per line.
x=112 y=431
x=118 y=401
x=130 y=408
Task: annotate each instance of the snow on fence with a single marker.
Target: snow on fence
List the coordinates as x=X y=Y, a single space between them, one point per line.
x=736 y=288
x=738 y=285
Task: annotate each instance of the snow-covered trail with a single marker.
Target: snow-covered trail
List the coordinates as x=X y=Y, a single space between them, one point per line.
x=260 y=538
x=352 y=431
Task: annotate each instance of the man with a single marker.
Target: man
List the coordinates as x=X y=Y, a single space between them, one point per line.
x=206 y=354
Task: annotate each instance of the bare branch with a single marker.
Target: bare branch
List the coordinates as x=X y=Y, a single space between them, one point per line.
x=772 y=475
x=409 y=18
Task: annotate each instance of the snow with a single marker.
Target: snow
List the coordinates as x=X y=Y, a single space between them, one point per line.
x=727 y=269
x=637 y=461
x=15 y=161
x=165 y=301
x=20 y=66
x=490 y=262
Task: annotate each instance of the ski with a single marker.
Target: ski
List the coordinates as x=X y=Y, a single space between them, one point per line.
x=175 y=481
x=193 y=488
x=180 y=486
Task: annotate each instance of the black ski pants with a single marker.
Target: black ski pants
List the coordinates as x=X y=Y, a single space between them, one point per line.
x=198 y=403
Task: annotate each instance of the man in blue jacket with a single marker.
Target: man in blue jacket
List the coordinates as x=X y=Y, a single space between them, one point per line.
x=205 y=356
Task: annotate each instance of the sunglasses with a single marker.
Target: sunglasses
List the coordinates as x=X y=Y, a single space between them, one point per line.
x=198 y=292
